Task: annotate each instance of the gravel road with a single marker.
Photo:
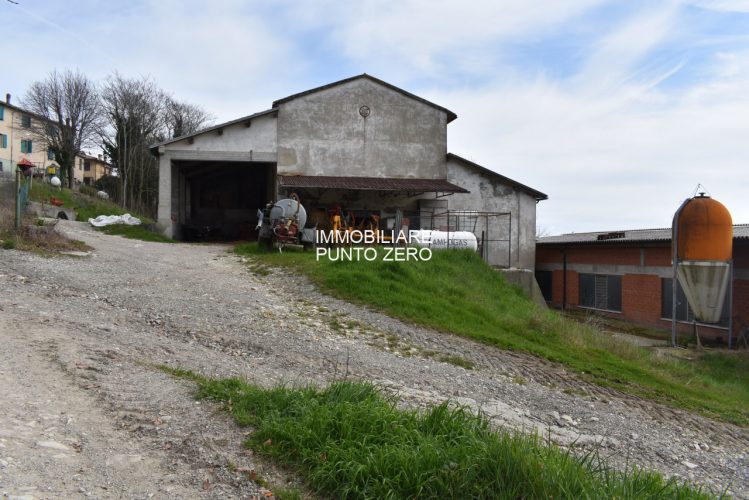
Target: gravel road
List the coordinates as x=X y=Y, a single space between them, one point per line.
x=84 y=413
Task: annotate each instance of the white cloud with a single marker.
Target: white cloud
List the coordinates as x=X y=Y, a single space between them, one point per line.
x=613 y=145
x=724 y=5
x=616 y=161
x=412 y=38
x=224 y=56
x=614 y=59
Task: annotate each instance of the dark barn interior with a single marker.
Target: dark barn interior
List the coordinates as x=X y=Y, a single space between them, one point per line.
x=219 y=200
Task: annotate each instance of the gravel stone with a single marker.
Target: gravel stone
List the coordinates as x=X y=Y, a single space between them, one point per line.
x=81 y=337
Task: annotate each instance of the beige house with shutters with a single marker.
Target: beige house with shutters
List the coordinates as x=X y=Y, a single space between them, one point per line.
x=18 y=141
x=89 y=168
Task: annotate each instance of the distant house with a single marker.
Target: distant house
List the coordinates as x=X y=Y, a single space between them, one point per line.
x=359 y=144
x=89 y=169
x=628 y=274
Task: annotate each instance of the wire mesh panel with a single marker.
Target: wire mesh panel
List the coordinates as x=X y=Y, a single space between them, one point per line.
x=493 y=231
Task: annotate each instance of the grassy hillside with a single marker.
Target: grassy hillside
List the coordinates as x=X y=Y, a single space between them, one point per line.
x=350 y=441
x=89 y=207
x=457 y=292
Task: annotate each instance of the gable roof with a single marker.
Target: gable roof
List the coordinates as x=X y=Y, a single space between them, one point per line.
x=154 y=147
x=538 y=195
x=450 y=115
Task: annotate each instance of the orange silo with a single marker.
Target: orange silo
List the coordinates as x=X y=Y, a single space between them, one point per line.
x=704 y=236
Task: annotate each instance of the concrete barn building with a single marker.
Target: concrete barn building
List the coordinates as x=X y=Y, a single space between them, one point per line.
x=359 y=143
x=628 y=275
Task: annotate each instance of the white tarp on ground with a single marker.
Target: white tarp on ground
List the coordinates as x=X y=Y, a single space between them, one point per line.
x=108 y=220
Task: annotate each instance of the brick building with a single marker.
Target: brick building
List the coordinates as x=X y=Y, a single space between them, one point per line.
x=628 y=274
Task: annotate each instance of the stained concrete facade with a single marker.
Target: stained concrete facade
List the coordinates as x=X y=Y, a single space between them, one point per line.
x=490 y=192
x=394 y=135
x=358 y=127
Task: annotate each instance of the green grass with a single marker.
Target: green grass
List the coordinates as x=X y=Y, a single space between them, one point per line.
x=349 y=441
x=87 y=207
x=42 y=193
x=458 y=293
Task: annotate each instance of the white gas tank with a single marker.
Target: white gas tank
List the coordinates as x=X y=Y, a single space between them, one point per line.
x=439 y=240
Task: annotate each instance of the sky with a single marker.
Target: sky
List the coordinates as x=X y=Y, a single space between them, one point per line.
x=615 y=109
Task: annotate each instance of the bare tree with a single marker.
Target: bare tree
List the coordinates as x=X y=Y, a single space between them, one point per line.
x=69 y=104
x=542 y=232
x=134 y=111
x=137 y=114
x=181 y=118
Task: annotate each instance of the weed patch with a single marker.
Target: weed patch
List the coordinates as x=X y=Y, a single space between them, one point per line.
x=41 y=239
x=350 y=441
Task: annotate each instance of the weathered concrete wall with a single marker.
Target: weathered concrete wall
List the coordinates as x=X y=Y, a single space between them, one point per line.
x=236 y=143
x=526 y=281
x=324 y=134
x=488 y=194
x=51 y=211
x=260 y=137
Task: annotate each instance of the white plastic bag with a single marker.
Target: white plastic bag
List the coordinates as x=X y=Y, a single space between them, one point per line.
x=108 y=220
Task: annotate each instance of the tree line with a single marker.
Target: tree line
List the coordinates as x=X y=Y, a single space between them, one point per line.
x=121 y=116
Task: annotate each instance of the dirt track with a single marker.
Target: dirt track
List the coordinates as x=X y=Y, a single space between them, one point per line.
x=84 y=413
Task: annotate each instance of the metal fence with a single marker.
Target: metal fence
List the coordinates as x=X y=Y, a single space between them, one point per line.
x=14 y=195
x=23 y=186
x=493 y=231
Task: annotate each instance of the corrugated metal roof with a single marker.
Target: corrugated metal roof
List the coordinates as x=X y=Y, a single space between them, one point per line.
x=740 y=231
x=370 y=183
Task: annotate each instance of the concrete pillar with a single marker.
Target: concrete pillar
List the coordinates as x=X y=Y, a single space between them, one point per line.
x=164 y=221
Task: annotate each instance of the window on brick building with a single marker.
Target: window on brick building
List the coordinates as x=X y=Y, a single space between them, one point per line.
x=683 y=311
x=601 y=291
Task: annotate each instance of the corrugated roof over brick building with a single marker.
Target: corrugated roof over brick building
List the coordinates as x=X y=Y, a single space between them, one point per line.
x=740 y=231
